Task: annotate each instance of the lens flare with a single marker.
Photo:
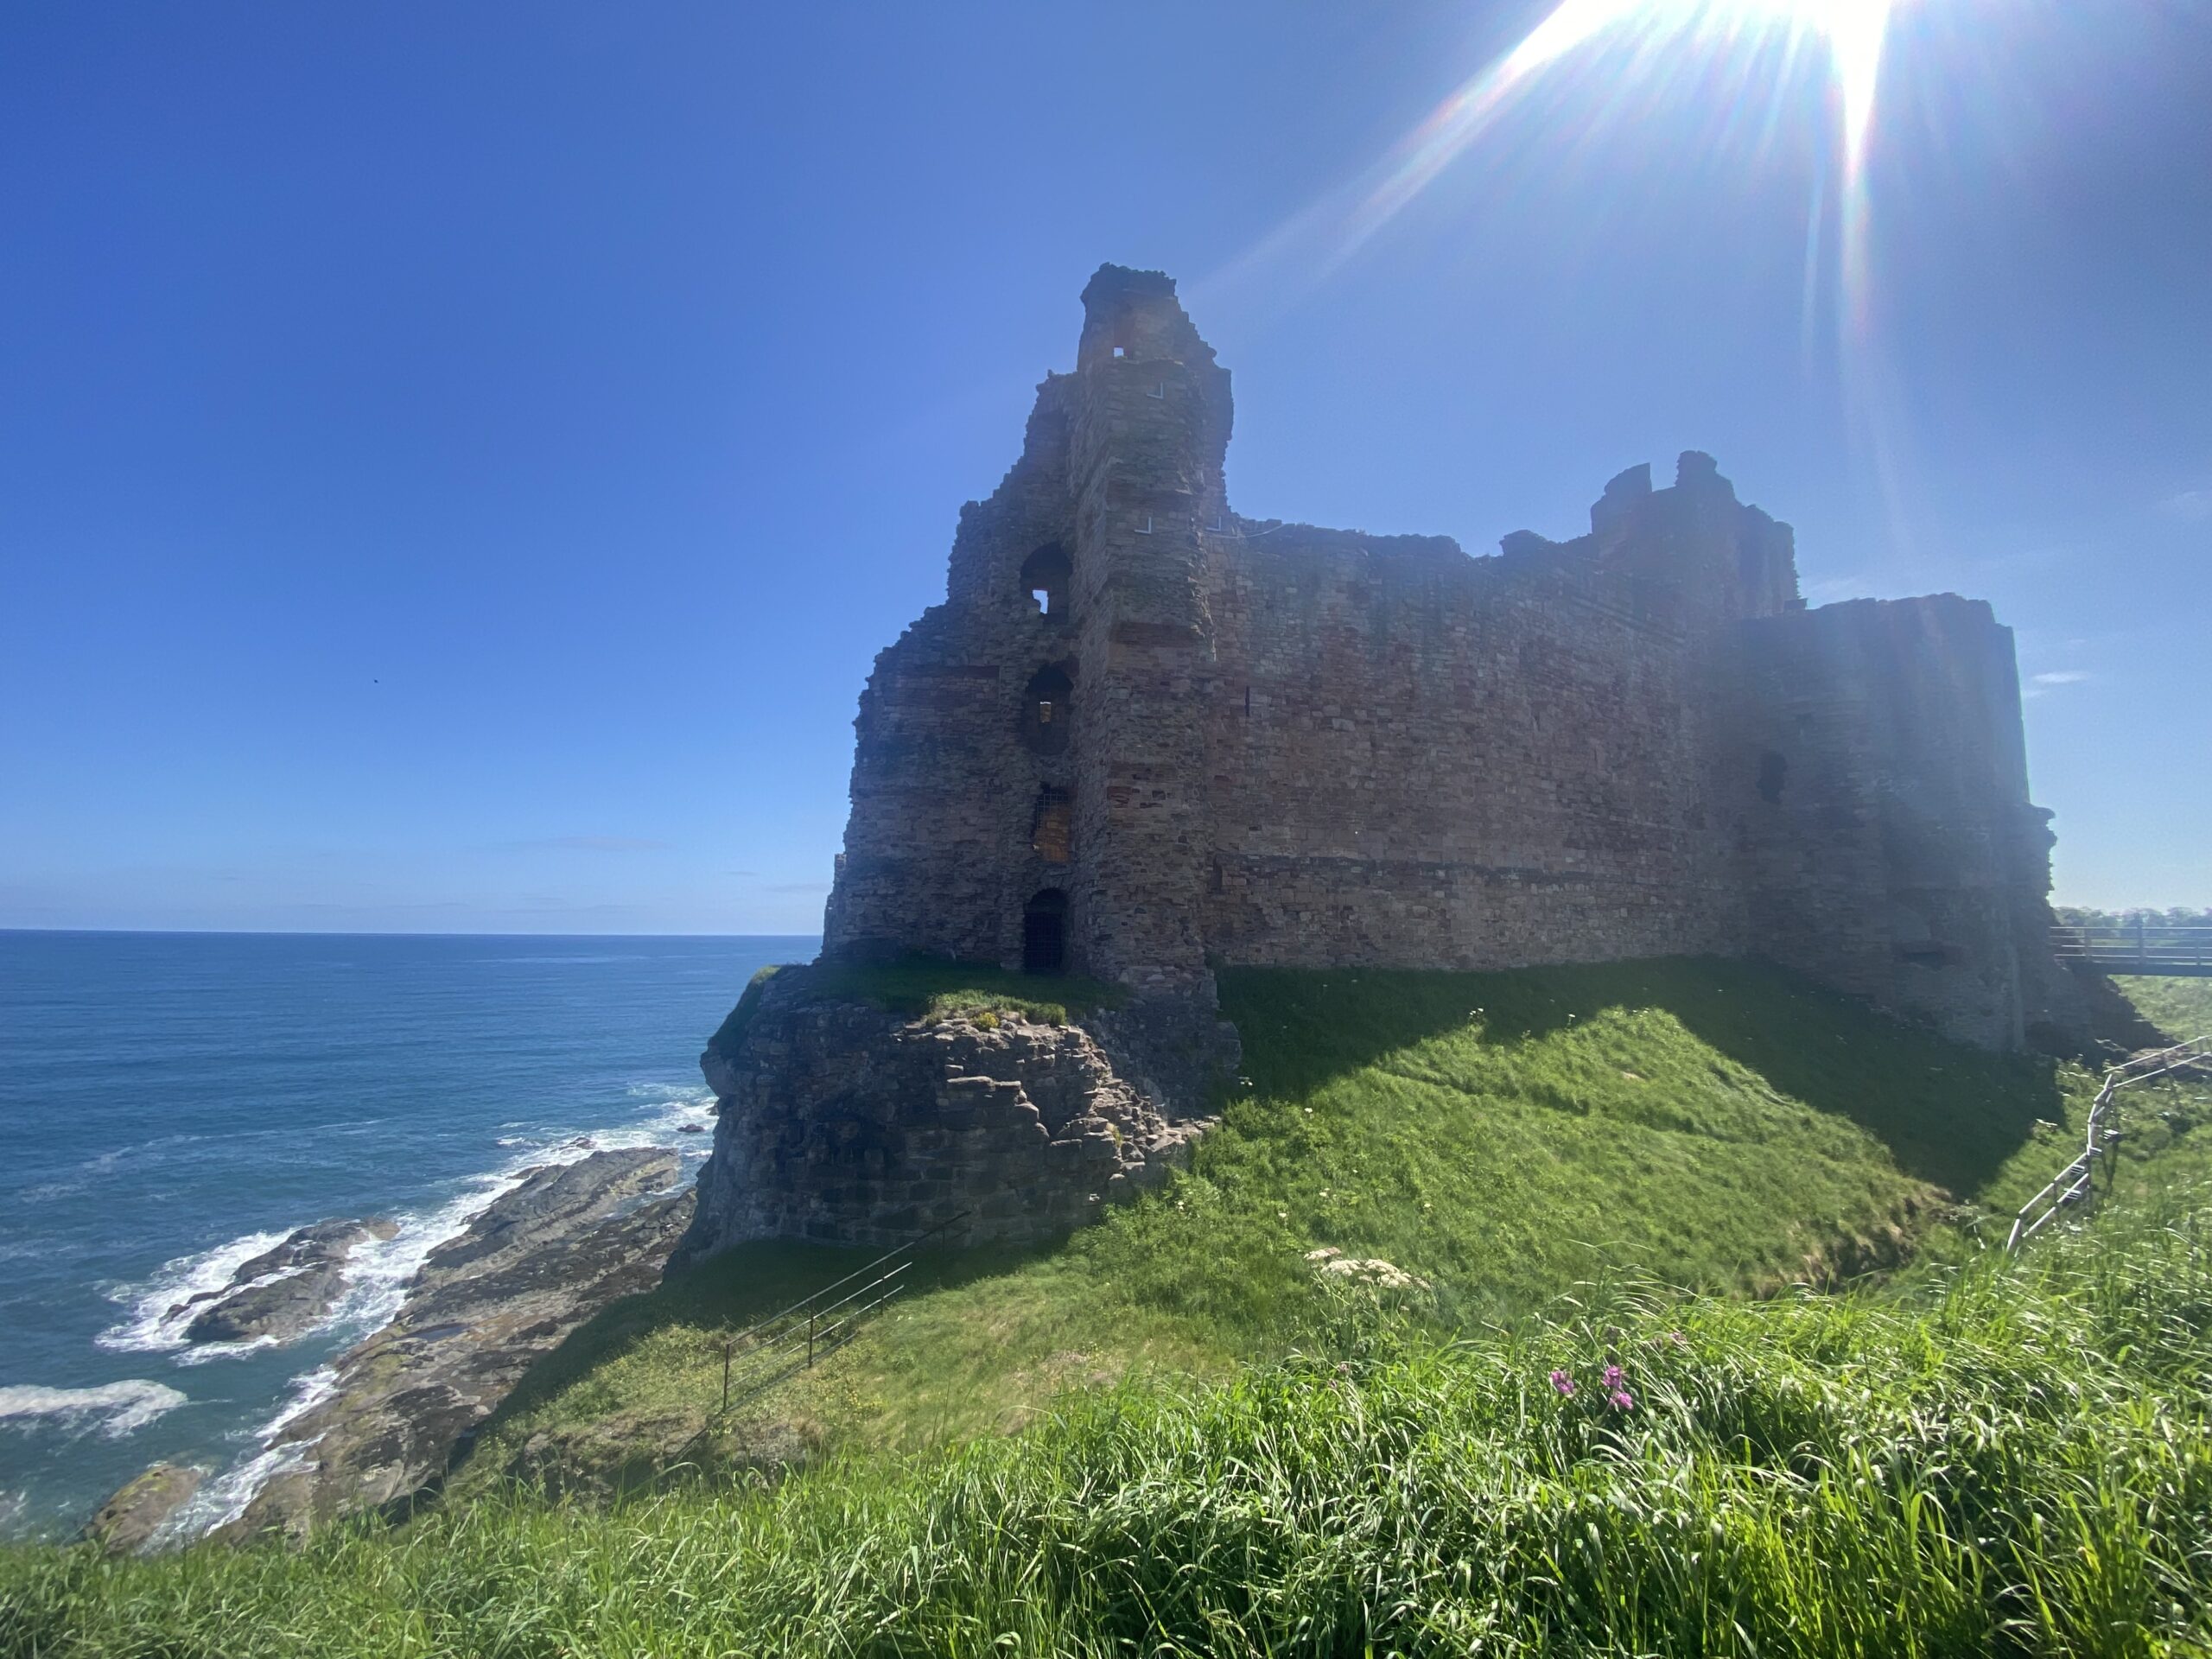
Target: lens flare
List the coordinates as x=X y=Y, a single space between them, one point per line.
x=1661 y=36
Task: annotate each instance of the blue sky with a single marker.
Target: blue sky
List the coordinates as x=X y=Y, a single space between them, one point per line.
x=457 y=463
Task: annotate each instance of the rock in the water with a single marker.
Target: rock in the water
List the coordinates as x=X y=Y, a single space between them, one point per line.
x=538 y=1263
x=127 y=1521
x=300 y=1278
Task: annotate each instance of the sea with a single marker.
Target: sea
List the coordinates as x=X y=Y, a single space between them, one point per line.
x=172 y=1104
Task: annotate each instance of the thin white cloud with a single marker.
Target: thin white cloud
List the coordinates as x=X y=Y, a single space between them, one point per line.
x=2042 y=685
x=2190 y=506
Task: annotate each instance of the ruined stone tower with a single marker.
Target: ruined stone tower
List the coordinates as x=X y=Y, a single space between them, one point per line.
x=1144 y=733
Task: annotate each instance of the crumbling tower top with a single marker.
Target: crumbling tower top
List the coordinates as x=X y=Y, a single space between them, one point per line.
x=1134 y=313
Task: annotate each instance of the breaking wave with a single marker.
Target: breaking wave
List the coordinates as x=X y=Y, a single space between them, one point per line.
x=161 y=1307
x=115 y=1409
x=377 y=1275
x=223 y=1499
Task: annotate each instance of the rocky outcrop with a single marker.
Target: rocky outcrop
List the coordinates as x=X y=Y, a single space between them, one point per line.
x=535 y=1265
x=841 y=1123
x=128 y=1522
x=284 y=1291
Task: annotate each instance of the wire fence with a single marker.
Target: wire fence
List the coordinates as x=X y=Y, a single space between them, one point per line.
x=809 y=1330
x=2071 y=1184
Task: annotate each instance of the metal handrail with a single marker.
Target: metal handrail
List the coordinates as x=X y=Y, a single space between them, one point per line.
x=795 y=1337
x=2140 y=944
x=2071 y=1184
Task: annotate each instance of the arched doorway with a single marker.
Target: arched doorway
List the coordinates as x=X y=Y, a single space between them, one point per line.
x=1045 y=933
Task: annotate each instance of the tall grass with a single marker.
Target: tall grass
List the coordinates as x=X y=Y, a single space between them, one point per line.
x=1502 y=1135
x=2014 y=1460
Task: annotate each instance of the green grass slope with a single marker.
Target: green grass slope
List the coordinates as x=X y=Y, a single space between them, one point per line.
x=2013 y=1459
x=1504 y=1136
x=2180 y=1007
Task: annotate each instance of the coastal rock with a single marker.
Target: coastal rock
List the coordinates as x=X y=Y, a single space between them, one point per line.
x=841 y=1123
x=128 y=1522
x=535 y=1265
x=284 y=1290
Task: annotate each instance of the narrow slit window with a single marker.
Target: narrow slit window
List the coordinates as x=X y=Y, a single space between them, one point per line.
x=1047 y=710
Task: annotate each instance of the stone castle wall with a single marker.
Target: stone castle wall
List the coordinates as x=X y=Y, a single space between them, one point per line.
x=1889 y=846
x=1418 y=757
x=1238 y=741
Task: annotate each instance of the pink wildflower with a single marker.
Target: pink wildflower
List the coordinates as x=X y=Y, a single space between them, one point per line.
x=1564 y=1383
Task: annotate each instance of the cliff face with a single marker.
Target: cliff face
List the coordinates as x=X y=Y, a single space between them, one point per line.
x=845 y=1124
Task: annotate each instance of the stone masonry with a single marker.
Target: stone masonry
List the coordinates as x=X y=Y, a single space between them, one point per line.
x=1145 y=734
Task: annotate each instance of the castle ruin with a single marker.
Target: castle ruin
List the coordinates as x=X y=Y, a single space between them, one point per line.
x=1145 y=733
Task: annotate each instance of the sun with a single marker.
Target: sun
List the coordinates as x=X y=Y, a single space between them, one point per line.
x=1850 y=33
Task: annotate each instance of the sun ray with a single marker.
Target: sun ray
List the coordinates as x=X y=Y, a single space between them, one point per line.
x=1660 y=37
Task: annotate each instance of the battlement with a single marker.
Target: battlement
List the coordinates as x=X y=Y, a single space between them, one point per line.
x=1146 y=733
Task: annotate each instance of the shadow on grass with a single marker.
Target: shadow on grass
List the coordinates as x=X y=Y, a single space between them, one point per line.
x=726 y=1295
x=1950 y=1115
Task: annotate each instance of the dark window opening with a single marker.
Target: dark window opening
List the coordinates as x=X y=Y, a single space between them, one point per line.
x=1774 y=771
x=1047 y=711
x=1045 y=933
x=1051 y=826
x=1924 y=955
x=1045 y=578
x=1125 y=336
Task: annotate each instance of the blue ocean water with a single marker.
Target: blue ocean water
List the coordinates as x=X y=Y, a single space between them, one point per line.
x=171 y=1103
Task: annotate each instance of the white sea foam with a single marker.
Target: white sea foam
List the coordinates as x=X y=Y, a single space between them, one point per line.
x=223 y=1499
x=379 y=1272
x=162 y=1307
x=114 y=1408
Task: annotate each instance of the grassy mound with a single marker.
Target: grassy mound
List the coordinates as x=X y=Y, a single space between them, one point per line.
x=1503 y=1136
x=2014 y=1460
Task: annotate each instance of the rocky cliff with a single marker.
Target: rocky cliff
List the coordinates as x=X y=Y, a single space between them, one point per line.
x=842 y=1124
